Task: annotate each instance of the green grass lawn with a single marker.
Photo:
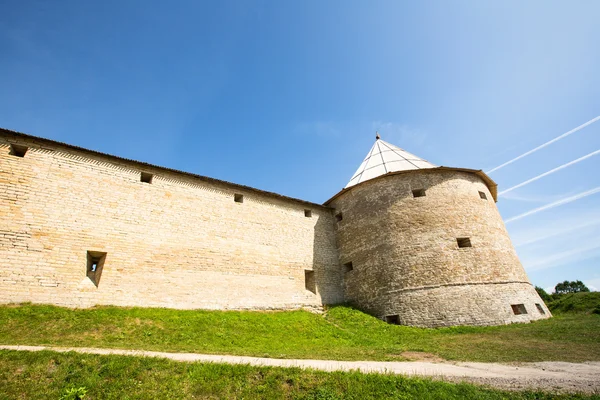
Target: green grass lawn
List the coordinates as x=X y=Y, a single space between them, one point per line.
x=342 y=333
x=49 y=375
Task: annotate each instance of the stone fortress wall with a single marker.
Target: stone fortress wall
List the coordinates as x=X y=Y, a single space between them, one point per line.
x=179 y=241
x=80 y=228
x=399 y=238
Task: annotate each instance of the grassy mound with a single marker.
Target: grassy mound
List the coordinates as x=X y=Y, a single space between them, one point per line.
x=583 y=302
x=343 y=333
x=49 y=375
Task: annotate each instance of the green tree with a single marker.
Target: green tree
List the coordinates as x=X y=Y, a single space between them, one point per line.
x=570 y=287
x=543 y=294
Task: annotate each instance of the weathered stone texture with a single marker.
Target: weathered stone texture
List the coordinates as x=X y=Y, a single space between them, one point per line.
x=182 y=241
x=405 y=256
x=179 y=242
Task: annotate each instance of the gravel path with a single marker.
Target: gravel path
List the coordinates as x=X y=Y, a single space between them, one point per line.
x=548 y=376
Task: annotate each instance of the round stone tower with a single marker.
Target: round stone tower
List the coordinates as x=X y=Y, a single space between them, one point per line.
x=423 y=245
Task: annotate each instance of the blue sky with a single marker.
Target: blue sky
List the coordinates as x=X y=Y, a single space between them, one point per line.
x=286 y=96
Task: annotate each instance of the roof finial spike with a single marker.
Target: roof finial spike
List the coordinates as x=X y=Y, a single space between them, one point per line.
x=377 y=137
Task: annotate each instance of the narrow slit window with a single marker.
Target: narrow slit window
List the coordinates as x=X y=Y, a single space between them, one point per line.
x=518 y=309
x=238 y=198
x=95 y=265
x=18 y=150
x=463 y=242
x=146 y=177
x=392 y=319
x=308 y=213
x=540 y=308
x=348 y=267
x=418 y=193
x=338 y=217
x=309 y=281
x=482 y=196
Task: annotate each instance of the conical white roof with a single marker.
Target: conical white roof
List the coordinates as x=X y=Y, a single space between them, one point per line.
x=384 y=158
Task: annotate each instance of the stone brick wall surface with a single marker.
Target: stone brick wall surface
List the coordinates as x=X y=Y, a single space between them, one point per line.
x=405 y=256
x=182 y=241
x=178 y=242
x=484 y=304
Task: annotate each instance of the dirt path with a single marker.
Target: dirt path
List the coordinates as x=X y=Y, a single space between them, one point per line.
x=548 y=376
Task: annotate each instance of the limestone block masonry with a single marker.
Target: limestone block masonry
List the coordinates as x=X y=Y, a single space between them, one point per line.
x=80 y=228
x=401 y=233
x=178 y=242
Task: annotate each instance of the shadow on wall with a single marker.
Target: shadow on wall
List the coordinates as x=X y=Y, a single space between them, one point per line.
x=327 y=276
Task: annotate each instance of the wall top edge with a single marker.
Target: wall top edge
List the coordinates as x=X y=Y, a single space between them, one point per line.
x=7 y=133
x=492 y=186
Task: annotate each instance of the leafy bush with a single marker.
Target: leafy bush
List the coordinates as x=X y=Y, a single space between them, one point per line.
x=74 y=393
x=543 y=294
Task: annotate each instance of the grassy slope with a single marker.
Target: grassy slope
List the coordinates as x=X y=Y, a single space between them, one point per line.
x=584 y=302
x=44 y=375
x=343 y=333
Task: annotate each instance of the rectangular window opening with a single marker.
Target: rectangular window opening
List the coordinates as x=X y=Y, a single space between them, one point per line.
x=463 y=242
x=307 y=213
x=309 y=281
x=95 y=264
x=540 y=308
x=146 y=177
x=518 y=309
x=338 y=217
x=418 y=193
x=392 y=319
x=348 y=267
x=18 y=150
x=482 y=196
x=238 y=198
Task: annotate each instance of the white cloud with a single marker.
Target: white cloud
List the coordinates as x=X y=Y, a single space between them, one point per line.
x=593 y=284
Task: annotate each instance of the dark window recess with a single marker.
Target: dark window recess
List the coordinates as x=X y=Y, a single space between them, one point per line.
x=392 y=319
x=307 y=213
x=146 y=177
x=338 y=217
x=309 y=281
x=238 y=198
x=95 y=265
x=463 y=242
x=518 y=309
x=540 y=308
x=18 y=150
x=348 y=267
x=482 y=195
x=418 y=193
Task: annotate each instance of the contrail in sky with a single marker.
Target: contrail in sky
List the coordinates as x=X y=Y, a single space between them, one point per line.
x=556 y=139
x=550 y=172
x=555 y=204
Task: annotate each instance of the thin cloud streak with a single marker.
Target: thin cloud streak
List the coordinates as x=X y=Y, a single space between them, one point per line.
x=556 y=139
x=533 y=198
x=527 y=182
x=555 y=204
x=577 y=254
x=561 y=231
